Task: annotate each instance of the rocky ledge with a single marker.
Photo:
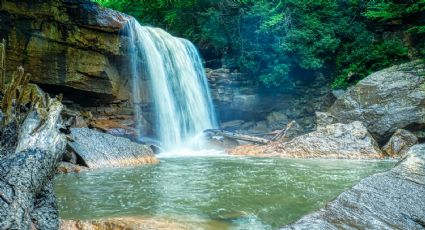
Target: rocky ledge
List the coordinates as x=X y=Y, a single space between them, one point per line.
x=390 y=200
x=351 y=141
x=386 y=109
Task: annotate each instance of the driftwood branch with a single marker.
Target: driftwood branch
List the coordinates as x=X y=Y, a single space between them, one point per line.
x=237 y=136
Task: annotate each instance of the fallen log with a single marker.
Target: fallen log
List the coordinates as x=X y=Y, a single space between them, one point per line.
x=237 y=136
x=30 y=147
x=26 y=200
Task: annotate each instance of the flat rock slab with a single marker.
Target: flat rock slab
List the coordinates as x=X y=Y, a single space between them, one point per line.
x=391 y=200
x=99 y=150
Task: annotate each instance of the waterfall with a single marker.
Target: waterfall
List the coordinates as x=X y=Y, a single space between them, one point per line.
x=177 y=81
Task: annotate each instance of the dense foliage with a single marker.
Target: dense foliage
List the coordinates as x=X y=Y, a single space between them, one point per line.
x=278 y=41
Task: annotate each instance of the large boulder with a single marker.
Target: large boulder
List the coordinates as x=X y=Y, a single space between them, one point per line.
x=351 y=141
x=100 y=150
x=390 y=200
x=69 y=46
x=387 y=100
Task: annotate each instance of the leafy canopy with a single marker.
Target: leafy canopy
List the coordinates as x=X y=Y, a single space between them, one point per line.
x=278 y=41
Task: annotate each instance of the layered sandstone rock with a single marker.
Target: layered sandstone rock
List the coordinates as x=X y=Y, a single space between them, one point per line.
x=69 y=46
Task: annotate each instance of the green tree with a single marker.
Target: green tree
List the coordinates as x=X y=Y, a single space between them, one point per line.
x=279 y=41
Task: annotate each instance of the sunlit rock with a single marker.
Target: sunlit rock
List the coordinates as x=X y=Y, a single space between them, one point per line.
x=351 y=141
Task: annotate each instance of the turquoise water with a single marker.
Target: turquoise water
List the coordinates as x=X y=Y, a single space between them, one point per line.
x=212 y=192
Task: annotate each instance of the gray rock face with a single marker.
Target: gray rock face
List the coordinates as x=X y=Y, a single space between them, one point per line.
x=237 y=96
x=390 y=200
x=104 y=150
x=332 y=141
x=387 y=100
x=400 y=143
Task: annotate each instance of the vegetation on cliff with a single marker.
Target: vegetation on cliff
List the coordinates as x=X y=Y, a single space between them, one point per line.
x=279 y=41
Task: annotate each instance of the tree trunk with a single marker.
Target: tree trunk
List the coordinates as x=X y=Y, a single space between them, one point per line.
x=26 y=196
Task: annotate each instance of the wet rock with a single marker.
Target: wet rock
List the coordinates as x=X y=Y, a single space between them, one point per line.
x=400 y=143
x=66 y=167
x=390 y=200
x=387 y=100
x=351 y=141
x=324 y=119
x=99 y=150
x=277 y=120
x=125 y=223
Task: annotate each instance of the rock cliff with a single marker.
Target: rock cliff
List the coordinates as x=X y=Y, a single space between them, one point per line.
x=238 y=98
x=69 y=46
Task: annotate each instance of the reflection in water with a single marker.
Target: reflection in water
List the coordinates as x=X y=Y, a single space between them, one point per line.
x=239 y=193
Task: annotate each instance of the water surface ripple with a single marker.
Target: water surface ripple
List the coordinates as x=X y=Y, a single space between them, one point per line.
x=239 y=193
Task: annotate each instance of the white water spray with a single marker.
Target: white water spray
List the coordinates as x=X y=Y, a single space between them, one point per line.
x=178 y=85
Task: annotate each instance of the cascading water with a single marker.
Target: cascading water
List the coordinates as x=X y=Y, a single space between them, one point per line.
x=178 y=85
